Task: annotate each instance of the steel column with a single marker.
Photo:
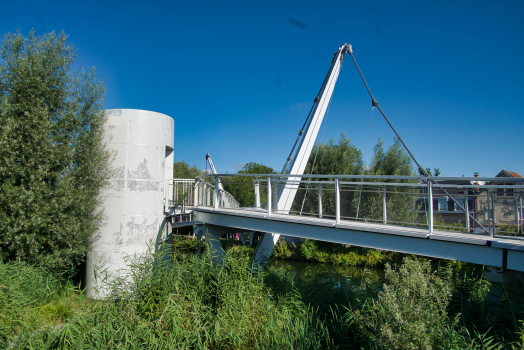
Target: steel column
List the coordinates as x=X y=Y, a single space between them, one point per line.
x=257 y=194
x=466 y=207
x=337 y=198
x=268 y=196
x=195 y=194
x=320 y=201
x=493 y=213
x=385 y=210
x=430 y=206
x=217 y=193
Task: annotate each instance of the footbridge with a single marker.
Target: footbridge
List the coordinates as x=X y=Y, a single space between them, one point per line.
x=467 y=219
x=476 y=220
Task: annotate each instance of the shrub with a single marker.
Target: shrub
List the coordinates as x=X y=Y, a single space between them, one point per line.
x=410 y=312
x=53 y=162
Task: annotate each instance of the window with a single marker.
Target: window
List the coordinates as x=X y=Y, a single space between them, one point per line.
x=509 y=191
x=459 y=200
x=442 y=203
x=500 y=191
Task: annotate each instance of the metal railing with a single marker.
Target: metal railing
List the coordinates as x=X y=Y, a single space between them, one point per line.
x=187 y=193
x=459 y=204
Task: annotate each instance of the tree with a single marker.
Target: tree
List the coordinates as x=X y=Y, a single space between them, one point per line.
x=358 y=201
x=53 y=162
x=400 y=201
x=182 y=170
x=436 y=170
x=242 y=187
x=329 y=159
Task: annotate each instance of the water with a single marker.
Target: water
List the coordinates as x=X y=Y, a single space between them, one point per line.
x=314 y=275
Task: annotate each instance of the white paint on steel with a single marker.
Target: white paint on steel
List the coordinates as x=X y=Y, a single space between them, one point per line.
x=285 y=197
x=299 y=162
x=405 y=243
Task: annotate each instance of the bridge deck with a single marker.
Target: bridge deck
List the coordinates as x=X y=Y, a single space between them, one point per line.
x=475 y=248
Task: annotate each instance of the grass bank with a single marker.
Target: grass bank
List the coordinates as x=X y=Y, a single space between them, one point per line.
x=192 y=303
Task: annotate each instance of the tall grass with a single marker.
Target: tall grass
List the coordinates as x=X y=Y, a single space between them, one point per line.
x=193 y=303
x=188 y=303
x=22 y=288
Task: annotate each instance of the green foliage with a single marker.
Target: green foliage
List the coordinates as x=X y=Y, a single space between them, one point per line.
x=341 y=159
x=53 y=162
x=411 y=312
x=509 y=230
x=182 y=170
x=189 y=303
x=358 y=202
x=193 y=303
x=436 y=170
x=22 y=288
x=331 y=159
x=332 y=253
x=308 y=249
x=400 y=201
x=395 y=161
x=242 y=187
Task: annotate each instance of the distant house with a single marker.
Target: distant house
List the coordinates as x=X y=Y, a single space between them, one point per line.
x=450 y=204
x=505 y=205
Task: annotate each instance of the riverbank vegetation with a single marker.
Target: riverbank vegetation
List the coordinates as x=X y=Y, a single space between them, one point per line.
x=193 y=303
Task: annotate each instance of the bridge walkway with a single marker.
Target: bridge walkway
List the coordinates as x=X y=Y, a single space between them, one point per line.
x=502 y=253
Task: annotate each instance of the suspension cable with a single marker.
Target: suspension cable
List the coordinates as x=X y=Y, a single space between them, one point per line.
x=422 y=170
x=374 y=102
x=365 y=160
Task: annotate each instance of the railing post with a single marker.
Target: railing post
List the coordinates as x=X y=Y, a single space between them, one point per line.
x=204 y=194
x=337 y=198
x=319 y=201
x=257 y=194
x=184 y=194
x=166 y=196
x=195 y=193
x=268 y=196
x=519 y=213
x=217 y=194
x=466 y=209
x=493 y=214
x=430 y=206
x=385 y=209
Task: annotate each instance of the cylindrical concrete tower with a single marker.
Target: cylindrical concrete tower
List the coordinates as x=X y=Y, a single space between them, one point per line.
x=142 y=143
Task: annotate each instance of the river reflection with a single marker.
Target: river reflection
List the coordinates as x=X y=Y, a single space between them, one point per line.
x=307 y=274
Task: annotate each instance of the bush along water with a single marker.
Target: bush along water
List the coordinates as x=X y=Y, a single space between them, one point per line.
x=194 y=303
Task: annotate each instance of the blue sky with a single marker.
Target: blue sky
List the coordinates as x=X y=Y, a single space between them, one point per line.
x=239 y=77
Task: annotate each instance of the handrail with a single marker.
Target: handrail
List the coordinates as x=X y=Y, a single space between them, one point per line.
x=396 y=177
x=479 y=208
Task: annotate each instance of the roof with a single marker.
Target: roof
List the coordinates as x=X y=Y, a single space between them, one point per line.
x=505 y=173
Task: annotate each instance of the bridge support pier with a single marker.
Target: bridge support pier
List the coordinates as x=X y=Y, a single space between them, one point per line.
x=212 y=235
x=265 y=247
x=500 y=281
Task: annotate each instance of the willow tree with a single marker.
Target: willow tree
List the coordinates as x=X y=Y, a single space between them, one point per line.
x=53 y=162
x=330 y=158
x=358 y=201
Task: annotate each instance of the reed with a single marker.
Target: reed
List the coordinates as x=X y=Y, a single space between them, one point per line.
x=192 y=303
